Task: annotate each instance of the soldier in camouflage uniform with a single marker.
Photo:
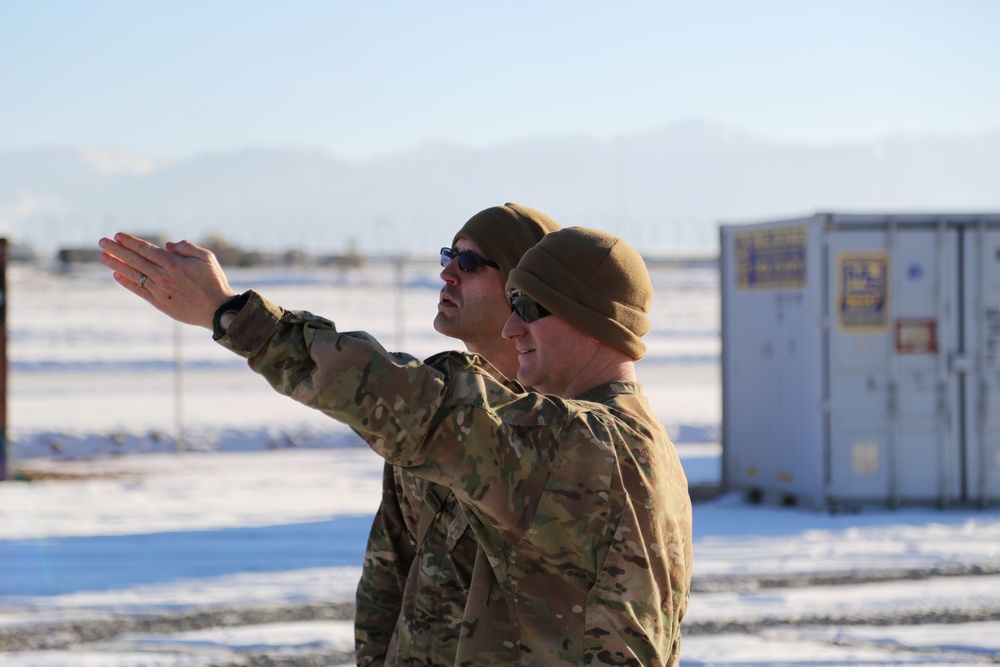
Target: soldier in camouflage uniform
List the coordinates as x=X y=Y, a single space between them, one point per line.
x=421 y=554
x=579 y=506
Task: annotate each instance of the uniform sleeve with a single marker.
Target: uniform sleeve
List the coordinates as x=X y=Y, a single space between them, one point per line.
x=388 y=558
x=440 y=420
x=386 y=398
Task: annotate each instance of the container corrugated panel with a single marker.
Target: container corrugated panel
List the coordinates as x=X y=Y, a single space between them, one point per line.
x=861 y=359
x=980 y=361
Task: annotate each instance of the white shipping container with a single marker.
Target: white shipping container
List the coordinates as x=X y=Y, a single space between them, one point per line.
x=861 y=359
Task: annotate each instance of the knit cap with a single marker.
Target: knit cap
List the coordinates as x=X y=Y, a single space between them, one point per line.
x=504 y=233
x=594 y=281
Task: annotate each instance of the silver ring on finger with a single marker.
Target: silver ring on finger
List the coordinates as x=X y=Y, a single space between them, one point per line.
x=142 y=279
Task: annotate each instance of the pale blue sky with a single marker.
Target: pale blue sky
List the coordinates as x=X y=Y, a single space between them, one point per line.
x=356 y=78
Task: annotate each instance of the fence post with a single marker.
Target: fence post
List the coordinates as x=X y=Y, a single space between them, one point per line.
x=399 y=299
x=178 y=388
x=5 y=467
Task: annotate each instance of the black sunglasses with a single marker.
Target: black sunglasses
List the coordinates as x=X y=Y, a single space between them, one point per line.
x=468 y=261
x=526 y=308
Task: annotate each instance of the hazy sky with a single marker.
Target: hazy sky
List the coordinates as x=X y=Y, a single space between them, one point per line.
x=355 y=78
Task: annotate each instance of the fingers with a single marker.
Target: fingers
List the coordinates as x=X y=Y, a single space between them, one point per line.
x=187 y=249
x=130 y=256
x=132 y=286
x=183 y=280
x=121 y=269
x=140 y=247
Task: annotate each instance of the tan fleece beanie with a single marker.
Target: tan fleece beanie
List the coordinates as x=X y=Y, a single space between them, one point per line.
x=504 y=233
x=594 y=281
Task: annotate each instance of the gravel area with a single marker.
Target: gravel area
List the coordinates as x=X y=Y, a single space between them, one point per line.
x=71 y=635
x=67 y=634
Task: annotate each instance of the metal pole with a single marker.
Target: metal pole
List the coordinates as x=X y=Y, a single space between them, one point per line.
x=399 y=288
x=5 y=467
x=178 y=389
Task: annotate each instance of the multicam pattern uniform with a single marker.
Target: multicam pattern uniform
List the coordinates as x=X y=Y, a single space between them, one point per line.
x=416 y=587
x=418 y=523
x=580 y=506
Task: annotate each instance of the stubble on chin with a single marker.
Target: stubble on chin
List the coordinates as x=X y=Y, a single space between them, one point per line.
x=445 y=325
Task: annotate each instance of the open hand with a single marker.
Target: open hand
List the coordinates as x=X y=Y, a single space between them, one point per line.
x=182 y=280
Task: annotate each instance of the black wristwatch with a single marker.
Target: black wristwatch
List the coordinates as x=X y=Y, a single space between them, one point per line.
x=226 y=313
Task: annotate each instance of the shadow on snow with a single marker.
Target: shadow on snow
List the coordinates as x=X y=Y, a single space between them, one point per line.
x=58 y=566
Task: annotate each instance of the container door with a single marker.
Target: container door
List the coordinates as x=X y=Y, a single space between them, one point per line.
x=893 y=420
x=772 y=382
x=980 y=363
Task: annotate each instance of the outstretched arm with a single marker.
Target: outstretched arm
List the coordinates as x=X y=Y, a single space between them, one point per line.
x=183 y=280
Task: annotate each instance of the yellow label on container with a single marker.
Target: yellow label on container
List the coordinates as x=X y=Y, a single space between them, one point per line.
x=864 y=292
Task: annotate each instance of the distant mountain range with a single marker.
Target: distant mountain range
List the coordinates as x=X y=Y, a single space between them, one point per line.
x=664 y=191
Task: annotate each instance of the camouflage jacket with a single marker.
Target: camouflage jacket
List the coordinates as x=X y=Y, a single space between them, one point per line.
x=417 y=573
x=416 y=577
x=580 y=507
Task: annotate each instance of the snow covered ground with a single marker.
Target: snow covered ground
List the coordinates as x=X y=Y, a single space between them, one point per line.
x=247 y=542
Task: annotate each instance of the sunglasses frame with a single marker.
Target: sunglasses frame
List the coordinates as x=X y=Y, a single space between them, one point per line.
x=528 y=312
x=468 y=261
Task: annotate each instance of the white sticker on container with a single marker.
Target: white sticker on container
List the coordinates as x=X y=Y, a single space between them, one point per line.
x=864 y=458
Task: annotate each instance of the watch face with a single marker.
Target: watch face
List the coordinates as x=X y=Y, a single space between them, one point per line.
x=226 y=313
x=227 y=318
